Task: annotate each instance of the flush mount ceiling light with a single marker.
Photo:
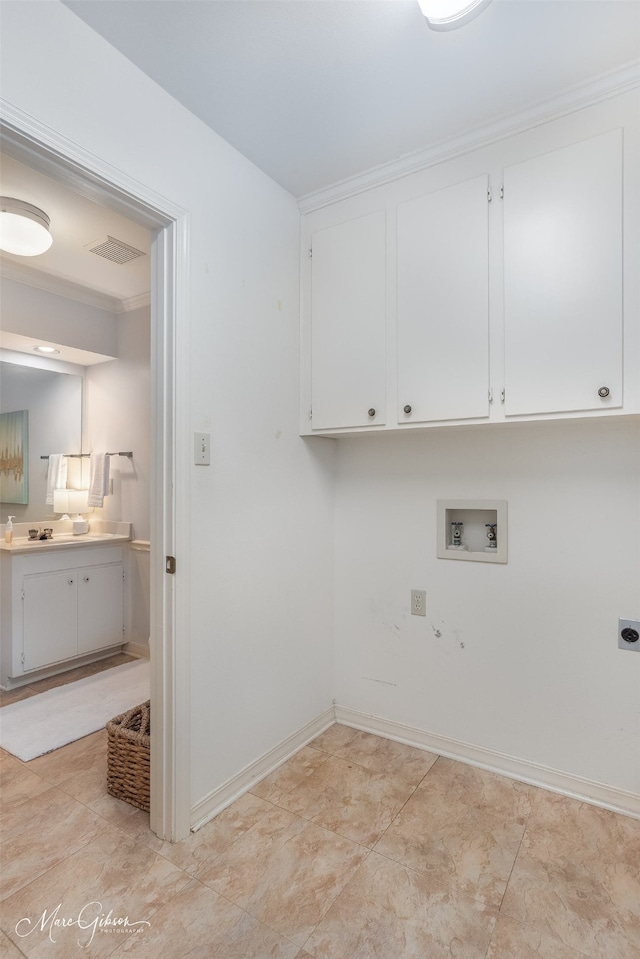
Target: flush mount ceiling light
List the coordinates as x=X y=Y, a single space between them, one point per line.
x=24 y=229
x=450 y=14
x=45 y=349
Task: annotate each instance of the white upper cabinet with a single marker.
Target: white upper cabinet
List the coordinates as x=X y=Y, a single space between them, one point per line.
x=563 y=279
x=443 y=304
x=348 y=324
x=500 y=284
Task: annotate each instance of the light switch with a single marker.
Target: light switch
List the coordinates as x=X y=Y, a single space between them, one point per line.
x=202 y=449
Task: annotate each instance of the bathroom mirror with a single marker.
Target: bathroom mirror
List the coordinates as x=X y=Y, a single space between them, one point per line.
x=53 y=398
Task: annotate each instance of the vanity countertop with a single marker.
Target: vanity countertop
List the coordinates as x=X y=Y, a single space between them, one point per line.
x=103 y=533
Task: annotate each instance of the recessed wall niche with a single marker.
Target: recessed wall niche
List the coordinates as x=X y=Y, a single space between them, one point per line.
x=467 y=528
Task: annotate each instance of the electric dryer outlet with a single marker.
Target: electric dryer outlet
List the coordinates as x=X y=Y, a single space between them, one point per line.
x=629 y=634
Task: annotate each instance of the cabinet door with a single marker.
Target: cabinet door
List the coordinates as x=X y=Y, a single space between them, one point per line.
x=50 y=620
x=563 y=279
x=443 y=304
x=100 y=607
x=348 y=310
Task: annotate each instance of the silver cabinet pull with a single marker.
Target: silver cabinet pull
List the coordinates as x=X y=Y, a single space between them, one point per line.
x=603 y=391
x=407 y=409
x=372 y=412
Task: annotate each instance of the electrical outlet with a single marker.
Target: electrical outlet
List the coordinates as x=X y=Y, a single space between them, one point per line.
x=418 y=602
x=629 y=634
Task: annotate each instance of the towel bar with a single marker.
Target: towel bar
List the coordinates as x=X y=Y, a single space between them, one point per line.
x=128 y=454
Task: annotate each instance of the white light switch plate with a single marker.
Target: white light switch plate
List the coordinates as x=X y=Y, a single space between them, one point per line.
x=202 y=449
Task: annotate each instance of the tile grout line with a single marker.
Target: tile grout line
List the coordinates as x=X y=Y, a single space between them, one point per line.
x=513 y=866
x=515 y=859
x=368 y=850
x=267 y=809
x=59 y=784
x=334 y=901
x=539 y=791
x=248 y=912
x=105 y=824
x=72 y=856
x=415 y=789
x=14 y=944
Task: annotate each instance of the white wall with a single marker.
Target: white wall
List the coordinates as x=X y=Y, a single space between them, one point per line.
x=49 y=316
x=539 y=675
x=261 y=550
x=118 y=408
x=527 y=662
x=116 y=413
x=118 y=418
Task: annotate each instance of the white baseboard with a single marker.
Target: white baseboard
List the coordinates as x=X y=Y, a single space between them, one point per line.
x=585 y=790
x=137 y=649
x=224 y=795
x=598 y=794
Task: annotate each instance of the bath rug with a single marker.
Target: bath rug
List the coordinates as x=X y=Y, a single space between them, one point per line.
x=34 y=726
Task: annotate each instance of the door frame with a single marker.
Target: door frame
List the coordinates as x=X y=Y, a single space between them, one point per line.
x=47 y=151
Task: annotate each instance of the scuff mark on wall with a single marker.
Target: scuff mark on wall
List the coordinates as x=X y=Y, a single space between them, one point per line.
x=383 y=682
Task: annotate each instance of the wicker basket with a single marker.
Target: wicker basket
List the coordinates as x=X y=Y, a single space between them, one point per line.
x=129 y=738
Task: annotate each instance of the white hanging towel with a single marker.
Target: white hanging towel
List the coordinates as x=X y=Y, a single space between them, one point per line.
x=98 y=479
x=57 y=475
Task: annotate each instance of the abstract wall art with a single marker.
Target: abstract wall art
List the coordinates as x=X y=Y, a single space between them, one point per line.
x=14 y=457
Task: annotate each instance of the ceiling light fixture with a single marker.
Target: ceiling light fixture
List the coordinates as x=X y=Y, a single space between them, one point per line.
x=24 y=229
x=450 y=14
x=45 y=349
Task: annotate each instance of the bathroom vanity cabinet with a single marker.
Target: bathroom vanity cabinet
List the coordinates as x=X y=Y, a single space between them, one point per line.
x=487 y=288
x=61 y=608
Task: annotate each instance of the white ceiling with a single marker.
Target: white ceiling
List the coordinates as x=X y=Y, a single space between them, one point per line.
x=315 y=91
x=68 y=267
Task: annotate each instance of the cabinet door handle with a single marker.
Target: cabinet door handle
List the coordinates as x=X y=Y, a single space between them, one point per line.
x=70 y=582
x=407 y=409
x=372 y=412
x=603 y=392
x=86 y=579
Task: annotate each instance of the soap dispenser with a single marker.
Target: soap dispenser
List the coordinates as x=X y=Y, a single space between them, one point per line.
x=8 y=530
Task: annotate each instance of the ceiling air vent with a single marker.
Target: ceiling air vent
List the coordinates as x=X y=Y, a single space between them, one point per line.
x=114 y=250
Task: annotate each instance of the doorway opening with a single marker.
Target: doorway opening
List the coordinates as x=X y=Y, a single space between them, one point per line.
x=43 y=150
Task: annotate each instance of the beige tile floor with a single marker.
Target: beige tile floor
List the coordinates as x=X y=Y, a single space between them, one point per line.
x=356 y=848
x=61 y=679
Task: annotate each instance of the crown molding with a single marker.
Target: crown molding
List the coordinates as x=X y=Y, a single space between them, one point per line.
x=572 y=99
x=49 y=283
x=59 y=286
x=134 y=303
